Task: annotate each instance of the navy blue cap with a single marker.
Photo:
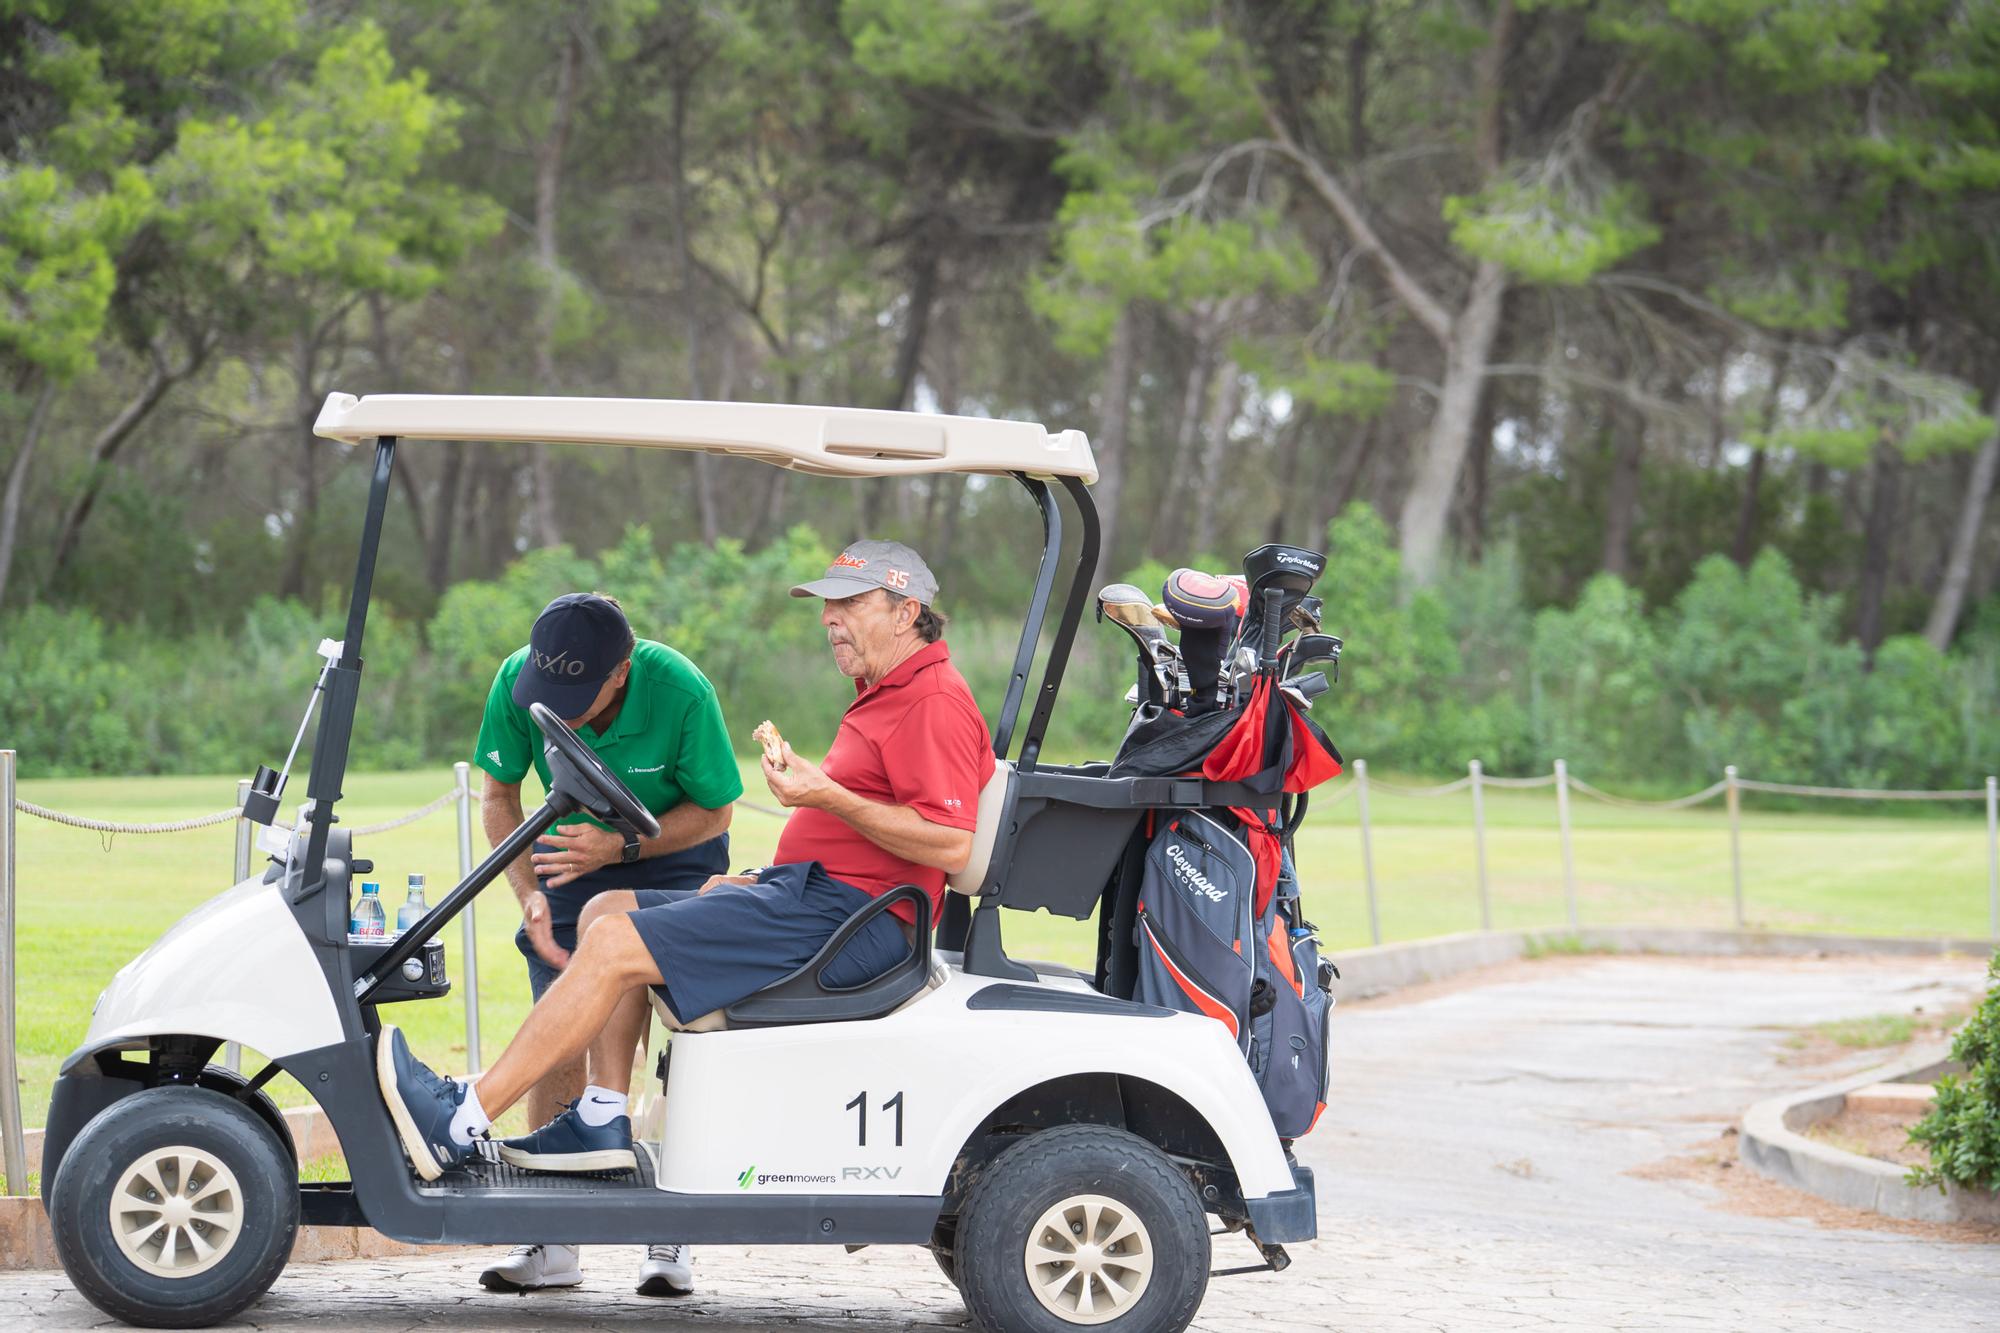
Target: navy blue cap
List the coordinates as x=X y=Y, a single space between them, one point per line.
x=578 y=641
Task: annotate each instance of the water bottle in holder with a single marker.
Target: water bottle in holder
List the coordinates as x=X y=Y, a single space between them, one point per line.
x=414 y=906
x=368 y=919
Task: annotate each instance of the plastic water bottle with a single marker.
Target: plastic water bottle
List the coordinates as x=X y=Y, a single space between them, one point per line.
x=368 y=918
x=414 y=907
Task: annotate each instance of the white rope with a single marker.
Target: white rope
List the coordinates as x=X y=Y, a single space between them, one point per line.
x=1861 y=793
x=113 y=826
x=1328 y=802
x=1445 y=790
x=1708 y=793
x=412 y=817
x=1546 y=780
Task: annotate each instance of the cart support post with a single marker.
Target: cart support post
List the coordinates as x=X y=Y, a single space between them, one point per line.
x=1477 y=774
x=468 y=967
x=232 y=1053
x=16 y=1159
x=1569 y=855
x=1993 y=855
x=1734 y=800
x=1367 y=853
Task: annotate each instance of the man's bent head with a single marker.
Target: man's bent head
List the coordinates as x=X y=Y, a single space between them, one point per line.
x=578 y=657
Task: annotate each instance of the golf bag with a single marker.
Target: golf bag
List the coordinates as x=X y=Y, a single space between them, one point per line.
x=1220 y=933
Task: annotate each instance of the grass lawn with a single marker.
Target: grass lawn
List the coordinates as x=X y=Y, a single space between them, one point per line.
x=88 y=904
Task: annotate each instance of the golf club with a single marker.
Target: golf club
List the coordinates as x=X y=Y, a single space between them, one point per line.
x=1132 y=611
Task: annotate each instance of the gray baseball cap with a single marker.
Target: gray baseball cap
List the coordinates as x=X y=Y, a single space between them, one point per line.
x=868 y=565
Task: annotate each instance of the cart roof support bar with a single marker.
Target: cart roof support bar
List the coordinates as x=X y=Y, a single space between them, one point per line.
x=1072 y=615
x=1038 y=609
x=343 y=679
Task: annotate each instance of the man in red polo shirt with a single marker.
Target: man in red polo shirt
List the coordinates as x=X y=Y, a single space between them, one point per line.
x=894 y=803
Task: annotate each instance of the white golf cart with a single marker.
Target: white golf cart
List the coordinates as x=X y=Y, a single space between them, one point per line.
x=1057 y=1146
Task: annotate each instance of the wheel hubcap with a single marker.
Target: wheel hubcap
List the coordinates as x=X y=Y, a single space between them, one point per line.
x=1089 y=1259
x=176 y=1211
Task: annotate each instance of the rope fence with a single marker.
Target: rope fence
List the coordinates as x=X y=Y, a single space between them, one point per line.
x=463 y=797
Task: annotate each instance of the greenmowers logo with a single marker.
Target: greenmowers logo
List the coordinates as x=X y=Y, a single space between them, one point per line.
x=750 y=1177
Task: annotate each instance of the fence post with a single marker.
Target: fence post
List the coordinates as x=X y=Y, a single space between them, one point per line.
x=1367 y=854
x=15 y=1157
x=1569 y=859
x=1993 y=855
x=1735 y=803
x=232 y=1054
x=1479 y=843
x=468 y=965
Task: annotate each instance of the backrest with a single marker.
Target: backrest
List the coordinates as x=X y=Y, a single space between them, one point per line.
x=986 y=829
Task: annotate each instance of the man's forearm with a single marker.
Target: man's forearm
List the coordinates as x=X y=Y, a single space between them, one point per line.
x=901 y=831
x=501 y=814
x=685 y=826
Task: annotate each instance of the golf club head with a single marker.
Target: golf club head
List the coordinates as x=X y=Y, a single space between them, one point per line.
x=1305 y=617
x=1312 y=648
x=1125 y=604
x=1275 y=565
x=1197 y=600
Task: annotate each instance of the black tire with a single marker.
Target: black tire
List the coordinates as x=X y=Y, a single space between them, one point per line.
x=121 y=1136
x=1027 y=1180
x=223 y=1079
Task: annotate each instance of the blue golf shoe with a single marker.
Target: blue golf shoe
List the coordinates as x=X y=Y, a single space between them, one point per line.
x=422 y=1104
x=566 y=1143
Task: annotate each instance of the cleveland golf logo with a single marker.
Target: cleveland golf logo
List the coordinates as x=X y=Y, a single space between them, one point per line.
x=1192 y=875
x=748 y=1178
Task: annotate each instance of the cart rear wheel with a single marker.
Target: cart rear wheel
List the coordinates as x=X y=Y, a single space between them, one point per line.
x=175 y=1208
x=1082 y=1227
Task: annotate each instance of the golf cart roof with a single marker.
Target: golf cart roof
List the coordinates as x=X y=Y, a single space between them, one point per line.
x=830 y=441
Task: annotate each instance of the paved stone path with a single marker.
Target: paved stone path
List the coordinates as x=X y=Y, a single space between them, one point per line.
x=1471 y=1176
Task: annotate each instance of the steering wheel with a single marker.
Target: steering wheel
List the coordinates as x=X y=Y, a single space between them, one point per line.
x=602 y=782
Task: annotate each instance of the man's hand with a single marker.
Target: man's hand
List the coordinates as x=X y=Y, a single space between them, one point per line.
x=796 y=781
x=541 y=932
x=579 y=849
x=717 y=881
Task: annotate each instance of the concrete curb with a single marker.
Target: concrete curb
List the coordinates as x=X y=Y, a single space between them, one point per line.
x=1771 y=1144
x=1388 y=967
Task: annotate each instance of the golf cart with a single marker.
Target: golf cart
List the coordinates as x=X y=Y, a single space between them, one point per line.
x=1057 y=1145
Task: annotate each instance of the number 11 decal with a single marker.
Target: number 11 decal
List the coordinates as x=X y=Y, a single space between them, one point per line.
x=860 y=1108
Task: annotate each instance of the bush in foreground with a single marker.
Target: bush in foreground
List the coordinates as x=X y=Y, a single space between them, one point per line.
x=1962 y=1130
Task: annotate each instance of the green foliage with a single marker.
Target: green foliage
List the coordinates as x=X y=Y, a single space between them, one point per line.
x=1547 y=235
x=1962 y=1130
x=1596 y=695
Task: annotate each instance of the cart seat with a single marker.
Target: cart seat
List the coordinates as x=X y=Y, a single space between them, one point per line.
x=715 y=1020
x=986 y=830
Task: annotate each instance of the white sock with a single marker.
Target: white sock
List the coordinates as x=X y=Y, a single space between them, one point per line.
x=600 y=1106
x=470 y=1121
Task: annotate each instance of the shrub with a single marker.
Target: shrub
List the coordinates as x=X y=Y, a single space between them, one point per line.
x=1962 y=1131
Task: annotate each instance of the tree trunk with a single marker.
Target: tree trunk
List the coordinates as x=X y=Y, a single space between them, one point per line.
x=1291 y=448
x=1428 y=504
x=1950 y=600
x=17 y=480
x=1745 y=544
x=1168 y=533
x=437 y=552
x=909 y=355
x=103 y=450
x=548 y=195
x=1113 y=444
x=1877 y=543
x=1480 y=481
x=305 y=519
x=1215 y=458
x=1621 y=495
x=1347 y=472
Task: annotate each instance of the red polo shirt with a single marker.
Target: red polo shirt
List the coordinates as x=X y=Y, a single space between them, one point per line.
x=914 y=738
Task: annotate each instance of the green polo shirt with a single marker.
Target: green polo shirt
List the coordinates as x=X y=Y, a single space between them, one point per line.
x=668 y=743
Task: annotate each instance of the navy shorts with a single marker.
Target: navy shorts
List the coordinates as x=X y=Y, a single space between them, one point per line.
x=682 y=871
x=718 y=947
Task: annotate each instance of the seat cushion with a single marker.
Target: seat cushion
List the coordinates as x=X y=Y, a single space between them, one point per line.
x=986 y=828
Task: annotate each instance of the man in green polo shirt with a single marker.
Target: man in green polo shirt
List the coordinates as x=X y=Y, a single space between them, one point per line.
x=653 y=718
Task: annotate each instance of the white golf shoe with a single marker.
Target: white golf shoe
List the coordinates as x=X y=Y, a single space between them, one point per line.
x=667 y=1271
x=532 y=1267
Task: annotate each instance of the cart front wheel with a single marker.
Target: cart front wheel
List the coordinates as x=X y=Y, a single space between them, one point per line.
x=1082 y=1227
x=175 y=1208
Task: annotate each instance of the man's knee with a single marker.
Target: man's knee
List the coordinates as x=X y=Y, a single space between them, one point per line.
x=613 y=948
x=615 y=903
